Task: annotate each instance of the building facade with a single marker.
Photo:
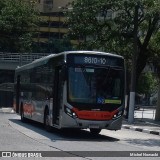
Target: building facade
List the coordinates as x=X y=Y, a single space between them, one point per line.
x=47 y=6
x=53 y=24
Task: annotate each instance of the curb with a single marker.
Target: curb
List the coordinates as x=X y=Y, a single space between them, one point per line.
x=141 y=130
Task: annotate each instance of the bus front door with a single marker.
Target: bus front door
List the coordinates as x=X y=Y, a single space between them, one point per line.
x=58 y=95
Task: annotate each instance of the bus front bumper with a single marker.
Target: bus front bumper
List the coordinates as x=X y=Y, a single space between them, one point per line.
x=69 y=122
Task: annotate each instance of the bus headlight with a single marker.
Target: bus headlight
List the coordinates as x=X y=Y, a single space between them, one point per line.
x=118 y=114
x=70 y=112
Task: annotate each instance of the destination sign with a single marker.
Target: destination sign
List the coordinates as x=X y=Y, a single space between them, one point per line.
x=95 y=60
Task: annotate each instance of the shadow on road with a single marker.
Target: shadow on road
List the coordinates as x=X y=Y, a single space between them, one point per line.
x=139 y=142
x=56 y=134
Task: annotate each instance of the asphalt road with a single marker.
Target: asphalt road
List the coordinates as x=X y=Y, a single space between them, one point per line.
x=18 y=136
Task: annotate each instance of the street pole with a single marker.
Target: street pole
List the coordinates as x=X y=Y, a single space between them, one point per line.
x=134 y=63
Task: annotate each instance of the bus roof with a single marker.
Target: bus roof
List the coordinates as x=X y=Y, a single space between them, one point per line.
x=45 y=59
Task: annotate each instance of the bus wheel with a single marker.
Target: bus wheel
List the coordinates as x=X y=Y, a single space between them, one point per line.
x=46 y=121
x=95 y=131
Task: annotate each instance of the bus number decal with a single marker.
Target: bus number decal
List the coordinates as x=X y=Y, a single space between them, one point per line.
x=95 y=60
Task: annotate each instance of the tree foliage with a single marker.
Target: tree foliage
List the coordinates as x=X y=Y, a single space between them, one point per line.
x=18 y=19
x=53 y=46
x=147 y=84
x=109 y=26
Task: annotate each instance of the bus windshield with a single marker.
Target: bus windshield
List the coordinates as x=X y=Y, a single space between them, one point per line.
x=95 y=85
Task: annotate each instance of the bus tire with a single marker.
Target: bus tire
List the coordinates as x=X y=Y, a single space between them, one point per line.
x=95 y=131
x=46 y=120
x=23 y=119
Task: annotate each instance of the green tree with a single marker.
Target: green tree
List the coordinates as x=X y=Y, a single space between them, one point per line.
x=59 y=45
x=91 y=24
x=53 y=46
x=18 y=20
x=147 y=84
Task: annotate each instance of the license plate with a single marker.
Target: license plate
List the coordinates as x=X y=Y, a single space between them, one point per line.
x=93 y=126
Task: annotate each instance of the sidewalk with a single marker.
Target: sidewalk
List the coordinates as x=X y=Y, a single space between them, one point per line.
x=146 y=125
x=144 y=121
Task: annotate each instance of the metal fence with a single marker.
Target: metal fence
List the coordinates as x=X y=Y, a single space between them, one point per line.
x=145 y=112
x=9 y=87
x=21 y=58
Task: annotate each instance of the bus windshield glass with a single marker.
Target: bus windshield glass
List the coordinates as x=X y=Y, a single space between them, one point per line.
x=95 y=85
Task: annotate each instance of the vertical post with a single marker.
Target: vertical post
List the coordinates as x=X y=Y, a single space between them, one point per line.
x=20 y=59
x=134 y=63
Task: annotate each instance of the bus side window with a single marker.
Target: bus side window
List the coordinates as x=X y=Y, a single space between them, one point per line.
x=29 y=95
